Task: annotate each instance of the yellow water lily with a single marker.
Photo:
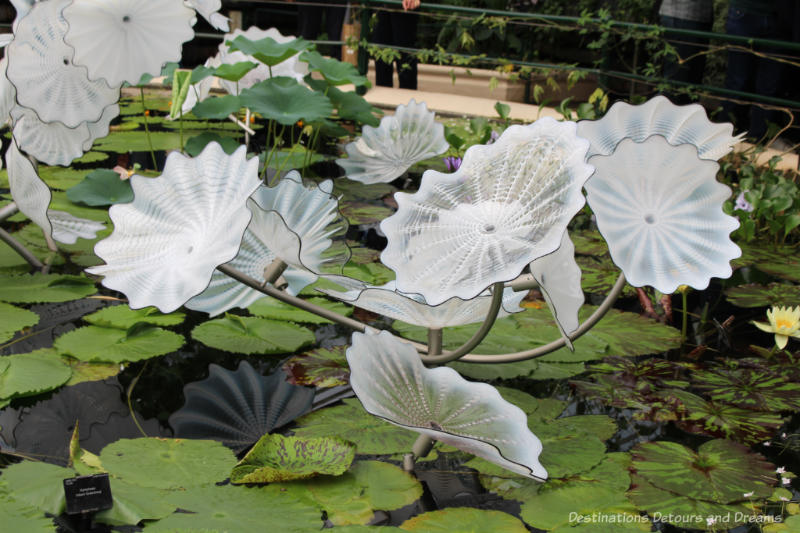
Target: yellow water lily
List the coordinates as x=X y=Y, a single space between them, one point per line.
x=784 y=322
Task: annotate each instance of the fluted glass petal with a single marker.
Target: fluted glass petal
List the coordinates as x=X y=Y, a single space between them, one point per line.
x=68 y=228
x=30 y=193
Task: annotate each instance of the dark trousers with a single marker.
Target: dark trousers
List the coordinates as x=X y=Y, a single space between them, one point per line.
x=749 y=73
x=691 y=70
x=397 y=29
x=309 y=24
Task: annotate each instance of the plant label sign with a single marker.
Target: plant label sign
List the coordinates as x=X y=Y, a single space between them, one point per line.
x=88 y=494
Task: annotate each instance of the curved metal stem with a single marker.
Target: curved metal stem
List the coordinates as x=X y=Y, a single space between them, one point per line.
x=555 y=345
x=477 y=338
x=8 y=210
x=20 y=249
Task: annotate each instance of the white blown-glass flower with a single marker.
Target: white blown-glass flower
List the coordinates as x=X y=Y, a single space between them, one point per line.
x=179 y=227
x=559 y=279
x=40 y=65
x=411 y=308
x=392 y=383
x=384 y=153
x=209 y=10
x=22 y=7
x=507 y=204
x=68 y=228
x=290 y=222
x=658 y=116
x=52 y=142
x=7 y=93
x=121 y=40
x=30 y=193
x=659 y=208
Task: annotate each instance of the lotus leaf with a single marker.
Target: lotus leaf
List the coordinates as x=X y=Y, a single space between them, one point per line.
x=721 y=471
x=598 y=275
x=285 y=101
x=234 y=71
x=268 y=50
x=363 y=213
x=350 y=421
x=32 y=373
x=95 y=343
x=335 y=72
x=320 y=368
x=754 y=295
x=61 y=177
x=279 y=458
x=252 y=335
x=44 y=288
x=123 y=317
x=196 y=144
x=13 y=319
x=277 y=310
x=463 y=520
x=38 y=484
x=101 y=187
x=589 y=242
x=83 y=371
x=168 y=463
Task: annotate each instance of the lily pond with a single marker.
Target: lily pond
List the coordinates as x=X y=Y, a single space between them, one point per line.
x=261 y=305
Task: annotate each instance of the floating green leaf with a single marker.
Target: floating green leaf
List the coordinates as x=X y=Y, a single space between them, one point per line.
x=218 y=107
x=285 y=101
x=781 y=262
x=38 y=485
x=598 y=275
x=276 y=310
x=13 y=319
x=168 y=463
x=334 y=71
x=588 y=242
x=749 y=388
x=101 y=187
x=349 y=421
x=83 y=371
x=464 y=520
x=44 y=288
x=721 y=471
x=362 y=213
x=122 y=316
x=372 y=273
x=319 y=368
x=95 y=343
x=181 y=81
x=32 y=373
x=133 y=503
x=754 y=295
x=355 y=190
x=18 y=516
x=196 y=144
x=268 y=50
x=250 y=335
x=541 y=408
x=279 y=458
x=123 y=142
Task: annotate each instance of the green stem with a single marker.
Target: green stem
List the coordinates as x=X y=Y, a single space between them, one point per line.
x=147 y=129
x=685 y=318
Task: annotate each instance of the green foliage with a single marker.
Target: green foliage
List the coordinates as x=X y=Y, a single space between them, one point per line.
x=286 y=102
x=44 y=288
x=101 y=187
x=248 y=335
x=13 y=319
x=464 y=520
x=267 y=50
x=319 y=368
x=116 y=345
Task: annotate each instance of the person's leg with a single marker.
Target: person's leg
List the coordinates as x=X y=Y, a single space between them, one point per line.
x=383 y=35
x=404 y=29
x=767 y=79
x=741 y=66
x=334 y=19
x=309 y=21
x=689 y=65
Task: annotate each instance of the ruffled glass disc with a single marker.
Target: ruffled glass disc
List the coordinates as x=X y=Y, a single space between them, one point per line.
x=29 y=192
x=507 y=204
x=120 y=41
x=68 y=228
x=42 y=70
x=179 y=227
x=392 y=383
x=209 y=10
x=7 y=93
x=238 y=407
x=412 y=309
x=658 y=116
x=559 y=279
x=659 y=208
x=384 y=153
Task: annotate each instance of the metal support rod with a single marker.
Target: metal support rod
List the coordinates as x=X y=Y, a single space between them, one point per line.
x=274 y=271
x=8 y=210
x=241 y=124
x=434 y=341
x=248 y=130
x=524 y=282
x=555 y=345
x=20 y=249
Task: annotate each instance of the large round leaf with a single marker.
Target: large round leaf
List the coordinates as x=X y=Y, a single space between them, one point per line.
x=463 y=520
x=334 y=71
x=95 y=343
x=754 y=295
x=279 y=458
x=101 y=187
x=32 y=373
x=122 y=316
x=168 y=463
x=285 y=101
x=13 y=319
x=319 y=368
x=44 y=288
x=721 y=471
x=252 y=335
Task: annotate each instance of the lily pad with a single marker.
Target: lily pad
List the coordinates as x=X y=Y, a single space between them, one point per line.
x=319 y=368
x=44 y=288
x=122 y=316
x=350 y=421
x=285 y=101
x=279 y=458
x=252 y=335
x=355 y=190
x=371 y=273
x=95 y=343
x=781 y=262
x=464 y=520
x=598 y=275
x=276 y=310
x=18 y=516
x=101 y=187
x=721 y=471
x=749 y=389
x=268 y=50
x=63 y=178
x=13 y=319
x=754 y=295
x=83 y=371
x=168 y=463
x=32 y=373
x=362 y=213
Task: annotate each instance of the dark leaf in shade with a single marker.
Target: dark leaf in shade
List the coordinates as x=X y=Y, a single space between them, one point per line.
x=755 y=295
x=748 y=388
x=320 y=367
x=238 y=407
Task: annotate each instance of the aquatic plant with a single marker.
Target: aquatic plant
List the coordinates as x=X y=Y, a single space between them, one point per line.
x=784 y=322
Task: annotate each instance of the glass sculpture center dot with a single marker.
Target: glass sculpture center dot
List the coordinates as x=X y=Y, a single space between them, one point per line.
x=190 y=250
x=66 y=61
x=488 y=228
x=126 y=18
x=650 y=219
x=434 y=425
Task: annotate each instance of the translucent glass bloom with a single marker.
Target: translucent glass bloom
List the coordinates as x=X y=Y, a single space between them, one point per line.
x=209 y=10
x=659 y=208
x=411 y=308
x=68 y=228
x=179 y=227
x=507 y=204
x=658 y=116
x=120 y=41
x=384 y=153
x=29 y=192
x=784 y=322
x=392 y=383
